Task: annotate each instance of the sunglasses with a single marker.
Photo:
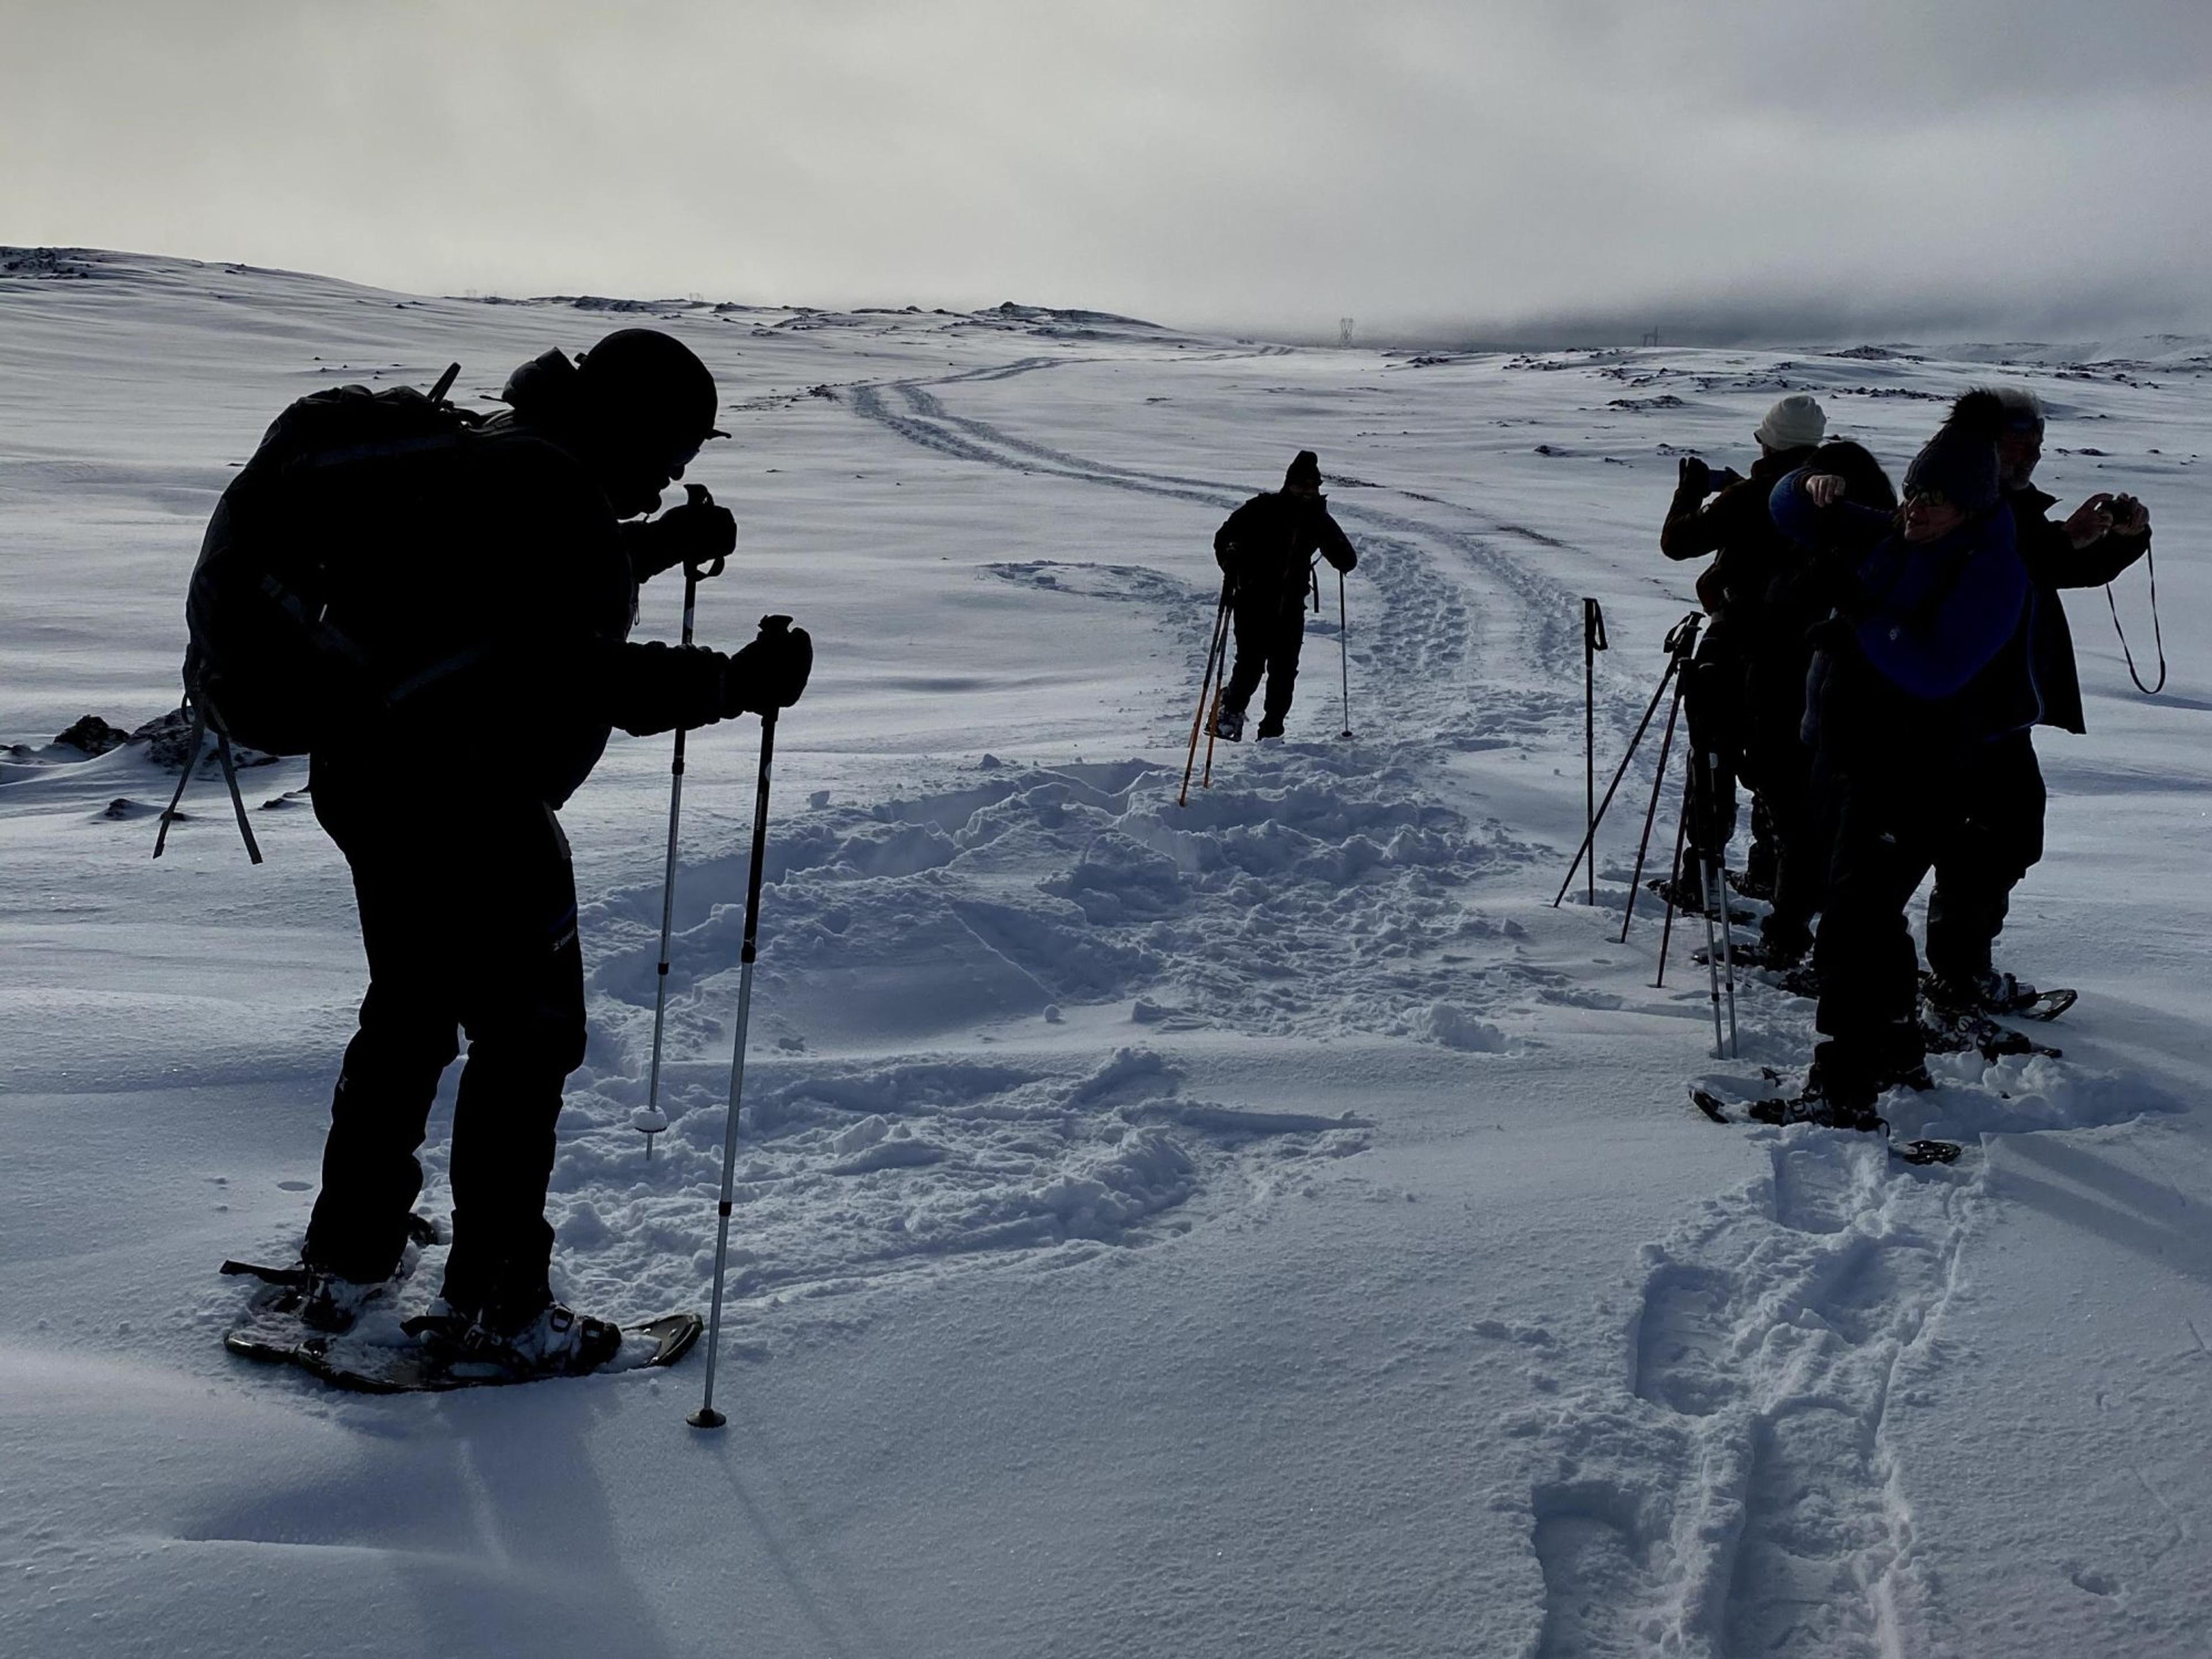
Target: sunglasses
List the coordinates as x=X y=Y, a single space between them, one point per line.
x=1928 y=498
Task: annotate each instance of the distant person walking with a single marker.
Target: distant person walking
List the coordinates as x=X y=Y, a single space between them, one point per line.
x=1267 y=550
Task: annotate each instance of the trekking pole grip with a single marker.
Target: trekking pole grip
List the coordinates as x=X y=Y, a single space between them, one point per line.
x=699 y=496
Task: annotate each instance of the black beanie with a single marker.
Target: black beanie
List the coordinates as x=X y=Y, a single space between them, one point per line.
x=1960 y=462
x=1305 y=470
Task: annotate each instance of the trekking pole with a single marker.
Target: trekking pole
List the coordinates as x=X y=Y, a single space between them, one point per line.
x=707 y=1417
x=1712 y=944
x=1344 y=653
x=1658 y=782
x=1593 y=642
x=1675 y=876
x=651 y=1120
x=1717 y=896
x=1220 y=691
x=1204 y=683
x=1686 y=629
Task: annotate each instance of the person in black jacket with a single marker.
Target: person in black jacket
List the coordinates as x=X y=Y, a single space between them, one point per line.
x=1973 y=886
x=1734 y=525
x=1265 y=549
x=499 y=604
x=1778 y=762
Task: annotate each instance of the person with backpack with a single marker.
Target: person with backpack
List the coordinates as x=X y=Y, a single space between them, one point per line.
x=1923 y=674
x=1732 y=526
x=1266 y=550
x=1973 y=886
x=1776 y=761
x=473 y=585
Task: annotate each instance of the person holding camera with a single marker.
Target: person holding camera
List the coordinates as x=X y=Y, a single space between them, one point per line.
x=1973 y=886
x=1733 y=526
x=1922 y=675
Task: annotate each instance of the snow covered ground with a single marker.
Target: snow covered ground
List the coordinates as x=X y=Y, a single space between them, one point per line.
x=1260 y=1227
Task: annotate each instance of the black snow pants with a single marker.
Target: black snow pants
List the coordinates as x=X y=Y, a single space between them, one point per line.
x=1271 y=630
x=1999 y=841
x=468 y=914
x=1715 y=699
x=1894 y=821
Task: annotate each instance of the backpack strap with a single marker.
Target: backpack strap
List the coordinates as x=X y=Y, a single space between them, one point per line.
x=237 y=802
x=184 y=778
x=204 y=716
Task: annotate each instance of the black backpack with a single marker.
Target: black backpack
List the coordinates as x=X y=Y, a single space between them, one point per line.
x=265 y=667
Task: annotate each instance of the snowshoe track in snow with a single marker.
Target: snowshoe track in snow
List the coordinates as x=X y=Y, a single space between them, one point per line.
x=1772 y=1338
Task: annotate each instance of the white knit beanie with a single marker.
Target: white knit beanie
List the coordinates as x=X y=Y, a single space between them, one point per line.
x=1796 y=421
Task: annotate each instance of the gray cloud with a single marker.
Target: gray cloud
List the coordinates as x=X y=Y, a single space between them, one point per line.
x=1431 y=168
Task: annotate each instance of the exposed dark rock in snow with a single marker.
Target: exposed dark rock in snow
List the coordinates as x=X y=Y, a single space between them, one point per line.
x=93 y=735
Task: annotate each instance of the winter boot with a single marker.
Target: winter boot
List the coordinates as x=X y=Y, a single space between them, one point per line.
x=553 y=1342
x=1687 y=891
x=1991 y=992
x=1271 y=726
x=1229 y=724
x=331 y=1302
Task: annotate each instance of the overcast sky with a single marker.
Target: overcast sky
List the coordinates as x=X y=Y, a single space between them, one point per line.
x=1873 y=166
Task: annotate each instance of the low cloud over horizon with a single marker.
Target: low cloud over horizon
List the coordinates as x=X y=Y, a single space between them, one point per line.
x=1719 y=171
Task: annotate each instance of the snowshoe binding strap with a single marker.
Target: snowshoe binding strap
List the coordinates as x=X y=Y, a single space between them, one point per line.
x=295 y=1277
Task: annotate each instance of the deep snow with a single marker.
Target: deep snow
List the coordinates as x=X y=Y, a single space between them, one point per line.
x=1265 y=1226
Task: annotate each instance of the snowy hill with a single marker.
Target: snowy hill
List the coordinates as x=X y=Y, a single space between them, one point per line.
x=1265 y=1226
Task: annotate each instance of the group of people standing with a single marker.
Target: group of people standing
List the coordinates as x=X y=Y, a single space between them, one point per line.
x=1876 y=662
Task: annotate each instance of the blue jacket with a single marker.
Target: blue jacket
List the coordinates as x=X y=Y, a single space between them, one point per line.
x=1945 y=623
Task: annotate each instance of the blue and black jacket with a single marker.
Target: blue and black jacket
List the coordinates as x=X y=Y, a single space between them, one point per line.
x=1936 y=652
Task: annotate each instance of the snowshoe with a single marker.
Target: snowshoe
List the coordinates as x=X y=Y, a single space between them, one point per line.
x=442 y=1358
x=1955 y=1033
x=1689 y=898
x=1758 y=953
x=1808 y=1106
x=1994 y=993
x=555 y=1342
x=1269 y=727
x=1228 y=725
x=1754 y=885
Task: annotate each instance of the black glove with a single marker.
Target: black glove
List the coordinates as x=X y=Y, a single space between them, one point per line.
x=771 y=672
x=1696 y=476
x=698 y=534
